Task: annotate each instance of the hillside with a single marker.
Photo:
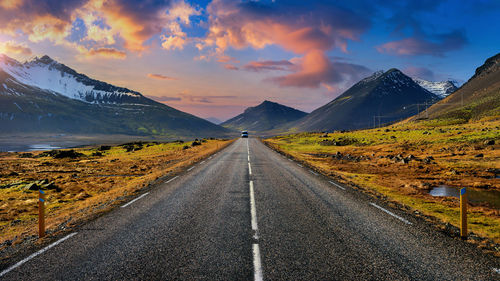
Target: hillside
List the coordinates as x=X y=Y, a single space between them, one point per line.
x=476 y=99
x=44 y=96
x=266 y=116
x=378 y=99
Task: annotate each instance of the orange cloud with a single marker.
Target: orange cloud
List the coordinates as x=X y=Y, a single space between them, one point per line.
x=315 y=69
x=107 y=52
x=230 y=67
x=11 y=47
x=161 y=77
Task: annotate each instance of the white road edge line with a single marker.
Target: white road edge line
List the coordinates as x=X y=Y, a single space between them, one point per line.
x=202 y=162
x=249 y=169
x=300 y=165
x=290 y=160
x=171 y=179
x=390 y=213
x=339 y=186
x=135 y=200
x=314 y=173
x=190 y=169
x=36 y=254
x=253 y=212
x=257 y=265
x=249 y=158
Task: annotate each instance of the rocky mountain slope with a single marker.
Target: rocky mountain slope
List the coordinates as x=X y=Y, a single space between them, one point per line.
x=266 y=116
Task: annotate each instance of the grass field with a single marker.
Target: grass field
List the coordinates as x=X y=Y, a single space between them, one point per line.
x=85 y=182
x=403 y=162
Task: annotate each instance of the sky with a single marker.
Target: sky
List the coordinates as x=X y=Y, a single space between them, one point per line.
x=215 y=58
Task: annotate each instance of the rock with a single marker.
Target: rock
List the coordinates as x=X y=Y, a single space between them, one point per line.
x=31 y=186
x=489 y=142
x=185 y=147
x=480 y=155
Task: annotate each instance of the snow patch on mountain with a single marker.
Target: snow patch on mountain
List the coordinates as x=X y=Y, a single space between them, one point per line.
x=441 y=89
x=47 y=74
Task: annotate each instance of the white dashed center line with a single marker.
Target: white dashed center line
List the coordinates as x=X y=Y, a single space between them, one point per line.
x=190 y=168
x=249 y=169
x=253 y=212
x=314 y=173
x=257 y=266
x=135 y=200
x=38 y=253
x=390 y=213
x=300 y=165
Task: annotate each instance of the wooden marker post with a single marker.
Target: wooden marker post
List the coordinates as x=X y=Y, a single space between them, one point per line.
x=463 y=213
x=41 y=213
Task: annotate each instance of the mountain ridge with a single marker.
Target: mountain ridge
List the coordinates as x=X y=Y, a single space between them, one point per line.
x=382 y=97
x=263 y=117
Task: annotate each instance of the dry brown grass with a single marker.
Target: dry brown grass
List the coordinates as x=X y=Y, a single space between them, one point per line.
x=88 y=185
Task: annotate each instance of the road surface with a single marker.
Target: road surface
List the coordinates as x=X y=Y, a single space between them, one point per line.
x=248 y=213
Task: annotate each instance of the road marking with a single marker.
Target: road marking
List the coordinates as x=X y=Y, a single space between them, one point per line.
x=171 y=179
x=210 y=157
x=300 y=165
x=257 y=265
x=202 y=162
x=249 y=158
x=339 y=186
x=390 y=213
x=249 y=169
x=497 y=270
x=314 y=173
x=135 y=200
x=290 y=160
x=253 y=212
x=36 y=254
x=190 y=168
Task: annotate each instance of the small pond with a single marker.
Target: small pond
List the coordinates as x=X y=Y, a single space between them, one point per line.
x=492 y=197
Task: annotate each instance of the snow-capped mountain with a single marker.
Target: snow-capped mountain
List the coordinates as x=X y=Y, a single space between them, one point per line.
x=441 y=89
x=44 y=96
x=47 y=74
x=383 y=97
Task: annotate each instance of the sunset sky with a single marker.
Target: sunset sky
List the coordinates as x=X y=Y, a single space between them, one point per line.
x=215 y=58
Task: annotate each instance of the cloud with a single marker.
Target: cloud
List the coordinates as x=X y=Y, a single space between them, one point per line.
x=230 y=67
x=161 y=77
x=11 y=47
x=420 y=72
x=202 y=99
x=304 y=28
x=38 y=19
x=413 y=46
x=315 y=69
x=257 y=66
x=107 y=53
x=163 y=98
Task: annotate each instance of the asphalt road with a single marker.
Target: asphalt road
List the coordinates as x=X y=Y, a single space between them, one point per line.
x=248 y=213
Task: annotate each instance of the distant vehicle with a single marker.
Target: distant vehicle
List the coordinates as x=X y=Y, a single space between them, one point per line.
x=244 y=134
